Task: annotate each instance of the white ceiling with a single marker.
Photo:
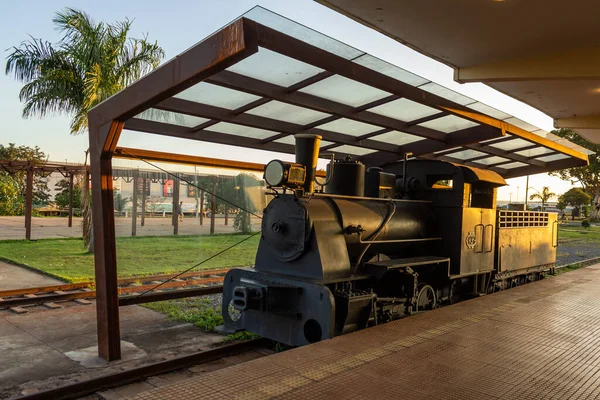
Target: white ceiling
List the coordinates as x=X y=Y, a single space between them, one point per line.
x=544 y=53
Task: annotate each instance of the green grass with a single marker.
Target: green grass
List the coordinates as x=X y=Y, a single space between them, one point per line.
x=197 y=311
x=577 y=232
x=139 y=256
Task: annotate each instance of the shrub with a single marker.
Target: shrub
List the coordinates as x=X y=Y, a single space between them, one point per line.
x=585 y=223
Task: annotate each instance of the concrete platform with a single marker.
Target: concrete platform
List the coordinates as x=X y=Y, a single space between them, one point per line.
x=13 y=277
x=44 y=348
x=538 y=341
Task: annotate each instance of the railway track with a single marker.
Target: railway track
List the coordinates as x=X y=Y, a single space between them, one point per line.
x=191 y=283
x=107 y=381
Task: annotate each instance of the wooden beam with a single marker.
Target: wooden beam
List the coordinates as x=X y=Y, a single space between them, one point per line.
x=158 y=156
x=70 y=200
x=144 y=185
x=136 y=175
x=105 y=253
x=213 y=206
x=28 y=199
x=175 y=213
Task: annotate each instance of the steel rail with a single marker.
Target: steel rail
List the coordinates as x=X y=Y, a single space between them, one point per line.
x=82 y=285
x=80 y=389
x=23 y=301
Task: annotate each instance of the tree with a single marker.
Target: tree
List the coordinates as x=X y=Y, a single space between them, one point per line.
x=11 y=202
x=62 y=197
x=244 y=184
x=13 y=185
x=543 y=196
x=577 y=199
x=120 y=202
x=91 y=62
x=587 y=176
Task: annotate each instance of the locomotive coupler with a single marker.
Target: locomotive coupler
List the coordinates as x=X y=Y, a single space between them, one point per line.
x=281 y=300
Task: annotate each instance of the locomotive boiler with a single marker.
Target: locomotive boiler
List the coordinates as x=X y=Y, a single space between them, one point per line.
x=377 y=244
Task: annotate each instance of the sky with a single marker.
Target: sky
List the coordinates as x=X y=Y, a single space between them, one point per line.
x=179 y=24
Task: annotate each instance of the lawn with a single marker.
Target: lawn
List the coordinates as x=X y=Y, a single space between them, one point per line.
x=575 y=231
x=136 y=256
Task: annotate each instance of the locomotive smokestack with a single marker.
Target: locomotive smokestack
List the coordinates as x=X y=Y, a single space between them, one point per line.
x=307 y=154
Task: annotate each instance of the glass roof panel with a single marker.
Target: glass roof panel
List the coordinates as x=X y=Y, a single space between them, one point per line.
x=357 y=151
x=554 y=157
x=446 y=93
x=487 y=110
x=217 y=96
x=538 y=151
x=404 y=110
x=519 y=123
x=449 y=123
x=290 y=140
x=268 y=66
x=287 y=112
x=298 y=31
x=346 y=91
x=492 y=160
x=511 y=145
x=349 y=127
x=168 y=117
x=390 y=70
x=466 y=154
x=397 y=138
x=512 y=165
x=447 y=150
x=241 y=130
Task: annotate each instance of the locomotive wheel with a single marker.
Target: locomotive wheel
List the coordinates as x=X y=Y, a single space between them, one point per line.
x=426 y=299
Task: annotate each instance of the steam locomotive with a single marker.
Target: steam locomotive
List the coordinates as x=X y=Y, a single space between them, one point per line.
x=378 y=244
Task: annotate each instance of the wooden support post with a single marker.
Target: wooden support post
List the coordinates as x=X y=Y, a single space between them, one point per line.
x=201 y=208
x=144 y=183
x=213 y=206
x=226 y=214
x=71 y=175
x=105 y=252
x=176 y=185
x=134 y=203
x=28 y=200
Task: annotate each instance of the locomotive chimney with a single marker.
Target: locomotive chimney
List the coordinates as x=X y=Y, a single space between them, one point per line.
x=307 y=154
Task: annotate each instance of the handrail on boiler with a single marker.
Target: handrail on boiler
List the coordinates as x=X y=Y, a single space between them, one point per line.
x=394 y=240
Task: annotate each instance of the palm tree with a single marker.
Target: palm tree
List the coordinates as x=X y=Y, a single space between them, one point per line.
x=89 y=64
x=544 y=196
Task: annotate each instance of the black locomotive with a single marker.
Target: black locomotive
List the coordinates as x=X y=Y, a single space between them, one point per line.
x=377 y=245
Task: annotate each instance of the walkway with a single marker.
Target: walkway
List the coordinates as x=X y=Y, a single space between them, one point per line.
x=538 y=341
x=55 y=227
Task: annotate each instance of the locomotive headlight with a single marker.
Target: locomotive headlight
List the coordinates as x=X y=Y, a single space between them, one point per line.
x=275 y=173
x=280 y=174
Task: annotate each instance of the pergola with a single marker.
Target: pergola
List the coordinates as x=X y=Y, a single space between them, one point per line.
x=262 y=79
x=45 y=168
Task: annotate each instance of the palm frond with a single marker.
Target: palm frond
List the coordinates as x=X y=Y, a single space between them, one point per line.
x=27 y=61
x=90 y=63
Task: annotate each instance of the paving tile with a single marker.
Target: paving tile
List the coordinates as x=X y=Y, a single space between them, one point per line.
x=537 y=341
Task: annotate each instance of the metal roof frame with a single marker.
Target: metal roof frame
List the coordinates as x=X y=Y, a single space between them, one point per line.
x=210 y=61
